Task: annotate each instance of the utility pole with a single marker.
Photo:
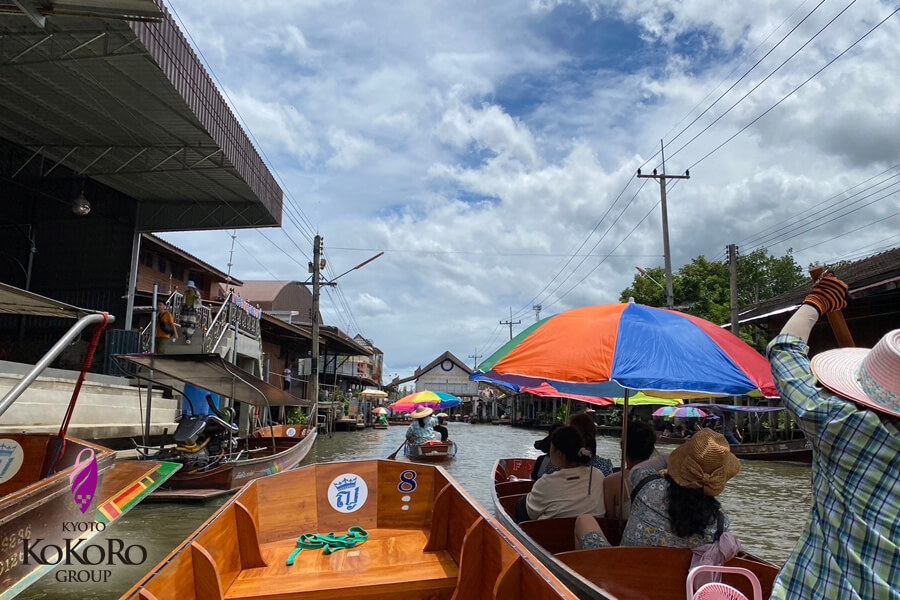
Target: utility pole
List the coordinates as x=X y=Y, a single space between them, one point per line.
x=316 y=269
x=732 y=263
x=662 y=178
x=537 y=312
x=231 y=258
x=510 y=323
x=475 y=356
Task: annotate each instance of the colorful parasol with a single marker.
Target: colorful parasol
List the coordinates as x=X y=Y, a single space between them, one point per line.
x=641 y=398
x=683 y=412
x=373 y=393
x=604 y=350
x=380 y=410
x=426 y=398
x=545 y=390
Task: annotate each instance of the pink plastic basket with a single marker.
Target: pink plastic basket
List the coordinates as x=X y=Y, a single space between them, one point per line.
x=721 y=591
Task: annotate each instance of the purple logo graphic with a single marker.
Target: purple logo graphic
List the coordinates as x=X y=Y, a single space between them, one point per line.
x=84 y=479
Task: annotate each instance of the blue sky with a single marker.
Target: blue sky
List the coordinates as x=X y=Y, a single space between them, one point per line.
x=479 y=144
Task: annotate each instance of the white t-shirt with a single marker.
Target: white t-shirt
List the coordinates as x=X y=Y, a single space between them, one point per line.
x=564 y=493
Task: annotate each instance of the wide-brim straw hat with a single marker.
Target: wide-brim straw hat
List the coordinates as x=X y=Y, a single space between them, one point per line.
x=422 y=412
x=868 y=377
x=705 y=461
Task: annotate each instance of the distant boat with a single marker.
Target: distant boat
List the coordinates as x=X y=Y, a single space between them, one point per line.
x=424 y=537
x=604 y=573
x=431 y=451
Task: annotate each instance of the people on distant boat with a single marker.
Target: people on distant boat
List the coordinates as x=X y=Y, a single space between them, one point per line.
x=165 y=328
x=730 y=430
x=543 y=462
x=440 y=426
x=850 y=546
x=640 y=442
x=584 y=424
x=382 y=419
x=421 y=429
x=683 y=431
x=678 y=507
x=576 y=488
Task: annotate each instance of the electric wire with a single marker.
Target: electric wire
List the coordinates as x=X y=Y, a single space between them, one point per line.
x=793 y=91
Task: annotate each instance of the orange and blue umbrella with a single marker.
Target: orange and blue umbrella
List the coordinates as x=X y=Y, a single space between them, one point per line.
x=605 y=350
x=430 y=399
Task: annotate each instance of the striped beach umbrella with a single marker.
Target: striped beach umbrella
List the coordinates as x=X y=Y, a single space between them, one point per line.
x=604 y=350
x=430 y=399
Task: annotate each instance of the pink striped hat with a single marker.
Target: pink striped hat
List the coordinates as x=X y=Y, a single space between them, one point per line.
x=868 y=377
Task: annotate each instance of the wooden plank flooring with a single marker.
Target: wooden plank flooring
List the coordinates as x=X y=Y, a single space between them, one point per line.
x=392 y=560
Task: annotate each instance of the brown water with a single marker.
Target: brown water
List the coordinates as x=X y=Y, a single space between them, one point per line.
x=767 y=502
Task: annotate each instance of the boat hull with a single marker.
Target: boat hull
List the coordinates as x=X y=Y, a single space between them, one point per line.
x=789 y=451
x=426 y=539
x=432 y=451
x=603 y=573
x=37 y=510
x=228 y=478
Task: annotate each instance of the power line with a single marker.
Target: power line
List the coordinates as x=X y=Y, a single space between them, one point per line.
x=792 y=92
x=244 y=121
x=589 y=273
x=741 y=78
x=730 y=73
x=475 y=253
x=891 y=216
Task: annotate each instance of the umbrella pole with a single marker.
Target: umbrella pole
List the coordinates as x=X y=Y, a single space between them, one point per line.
x=568 y=411
x=624 y=466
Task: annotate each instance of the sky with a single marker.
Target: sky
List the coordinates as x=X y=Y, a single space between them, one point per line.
x=490 y=148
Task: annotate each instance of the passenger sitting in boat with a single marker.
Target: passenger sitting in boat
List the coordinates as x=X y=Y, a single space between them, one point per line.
x=640 y=442
x=441 y=427
x=678 y=508
x=730 y=430
x=850 y=546
x=421 y=430
x=542 y=463
x=584 y=424
x=576 y=488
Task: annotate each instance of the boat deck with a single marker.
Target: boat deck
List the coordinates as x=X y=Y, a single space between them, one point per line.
x=390 y=558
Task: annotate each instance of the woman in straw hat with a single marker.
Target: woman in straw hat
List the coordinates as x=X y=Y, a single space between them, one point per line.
x=850 y=547
x=677 y=507
x=422 y=429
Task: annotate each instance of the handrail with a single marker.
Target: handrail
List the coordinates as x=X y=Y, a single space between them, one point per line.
x=45 y=361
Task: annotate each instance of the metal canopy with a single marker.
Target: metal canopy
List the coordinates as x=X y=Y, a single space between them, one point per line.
x=129 y=104
x=213 y=373
x=16 y=301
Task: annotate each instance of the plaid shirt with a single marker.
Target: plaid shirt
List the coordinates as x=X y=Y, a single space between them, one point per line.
x=850 y=547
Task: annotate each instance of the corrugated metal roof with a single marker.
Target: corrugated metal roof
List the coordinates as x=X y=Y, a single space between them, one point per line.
x=130 y=105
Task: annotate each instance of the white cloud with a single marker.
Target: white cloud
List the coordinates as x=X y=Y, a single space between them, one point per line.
x=481 y=142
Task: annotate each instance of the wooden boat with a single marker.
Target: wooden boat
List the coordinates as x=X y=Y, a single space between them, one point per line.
x=190 y=485
x=431 y=451
x=379 y=426
x=398 y=422
x=37 y=497
x=785 y=451
x=427 y=539
x=791 y=451
x=239 y=460
x=638 y=573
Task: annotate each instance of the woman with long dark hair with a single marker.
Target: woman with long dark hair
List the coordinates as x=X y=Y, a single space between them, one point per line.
x=566 y=492
x=584 y=424
x=678 y=507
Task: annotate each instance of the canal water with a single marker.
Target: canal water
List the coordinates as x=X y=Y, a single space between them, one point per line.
x=767 y=502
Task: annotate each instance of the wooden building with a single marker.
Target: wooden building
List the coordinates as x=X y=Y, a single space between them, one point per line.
x=873 y=309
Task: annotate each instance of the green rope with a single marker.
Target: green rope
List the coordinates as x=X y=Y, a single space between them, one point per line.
x=329 y=543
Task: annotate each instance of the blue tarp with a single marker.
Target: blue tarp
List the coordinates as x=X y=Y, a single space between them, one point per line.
x=196 y=398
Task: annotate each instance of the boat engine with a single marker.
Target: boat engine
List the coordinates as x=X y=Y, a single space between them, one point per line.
x=202 y=441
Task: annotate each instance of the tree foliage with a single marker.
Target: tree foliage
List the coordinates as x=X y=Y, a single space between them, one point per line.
x=702 y=288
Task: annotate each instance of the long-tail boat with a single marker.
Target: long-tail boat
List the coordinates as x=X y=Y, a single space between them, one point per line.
x=636 y=573
x=432 y=451
x=216 y=461
x=54 y=487
x=425 y=539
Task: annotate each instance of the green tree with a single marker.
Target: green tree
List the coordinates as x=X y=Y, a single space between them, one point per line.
x=702 y=288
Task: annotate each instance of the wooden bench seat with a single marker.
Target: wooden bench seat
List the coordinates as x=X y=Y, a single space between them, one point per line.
x=392 y=563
